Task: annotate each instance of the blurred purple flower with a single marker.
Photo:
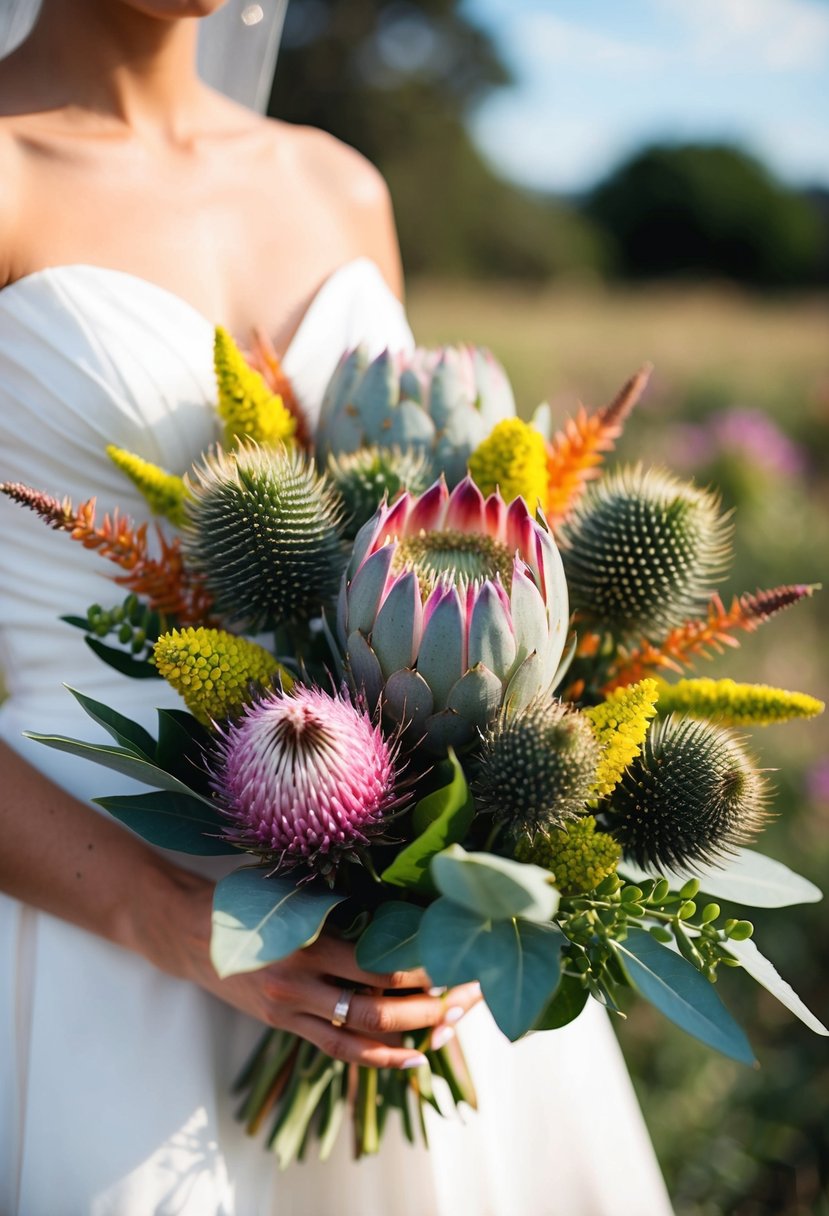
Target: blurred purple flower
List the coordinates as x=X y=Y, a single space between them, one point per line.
x=817 y=782
x=753 y=434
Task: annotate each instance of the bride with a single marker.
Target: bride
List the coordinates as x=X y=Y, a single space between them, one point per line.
x=138 y=208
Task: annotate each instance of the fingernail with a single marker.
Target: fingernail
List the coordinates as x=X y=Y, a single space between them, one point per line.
x=415 y=1061
x=453 y=1015
x=436 y=991
x=441 y=1036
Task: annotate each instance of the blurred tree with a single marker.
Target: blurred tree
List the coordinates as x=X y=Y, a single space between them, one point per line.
x=396 y=79
x=703 y=210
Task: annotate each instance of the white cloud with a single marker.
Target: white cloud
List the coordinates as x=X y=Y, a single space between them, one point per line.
x=548 y=40
x=772 y=35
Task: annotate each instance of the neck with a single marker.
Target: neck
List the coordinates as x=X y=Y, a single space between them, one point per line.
x=107 y=57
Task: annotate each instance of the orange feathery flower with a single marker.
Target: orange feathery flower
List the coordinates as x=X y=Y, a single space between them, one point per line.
x=698 y=638
x=575 y=453
x=163 y=581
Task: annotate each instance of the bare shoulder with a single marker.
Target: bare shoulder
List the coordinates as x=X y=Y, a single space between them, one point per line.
x=10 y=197
x=354 y=189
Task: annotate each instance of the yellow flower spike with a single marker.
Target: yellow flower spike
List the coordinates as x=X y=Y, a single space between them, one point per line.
x=247 y=407
x=578 y=856
x=733 y=704
x=213 y=670
x=620 y=724
x=165 y=492
x=513 y=458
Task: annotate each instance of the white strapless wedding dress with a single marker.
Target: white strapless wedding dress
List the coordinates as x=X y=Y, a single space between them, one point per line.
x=114 y=1077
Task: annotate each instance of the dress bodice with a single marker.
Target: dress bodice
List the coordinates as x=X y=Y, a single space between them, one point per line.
x=90 y=357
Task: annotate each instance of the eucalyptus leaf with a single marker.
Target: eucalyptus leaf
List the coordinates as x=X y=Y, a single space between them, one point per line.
x=748 y=878
x=765 y=973
x=495 y=887
x=517 y=962
x=182 y=742
x=123 y=730
x=450 y=814
x=128 y=763
x=390 y=941
x=678 y=990
x=171 y=821
x=122 y=661
x=258 y=920
x=569 y=999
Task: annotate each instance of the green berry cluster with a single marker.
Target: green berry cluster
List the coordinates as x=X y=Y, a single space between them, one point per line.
x=135 y=626
x=594 y=923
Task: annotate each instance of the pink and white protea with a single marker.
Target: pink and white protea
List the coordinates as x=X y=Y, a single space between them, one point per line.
x=304 y=775
x=452 y=606
x=441 y=403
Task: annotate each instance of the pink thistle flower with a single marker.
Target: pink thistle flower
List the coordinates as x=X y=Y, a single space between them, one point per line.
x=304 y=776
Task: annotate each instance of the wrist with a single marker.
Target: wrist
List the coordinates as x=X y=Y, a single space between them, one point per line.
x=167 y=920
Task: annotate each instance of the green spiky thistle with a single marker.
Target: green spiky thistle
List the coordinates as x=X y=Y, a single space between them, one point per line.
x=644 y=551
x=365 y=477
x=537 y=768
x=265 y=534
x=692 y=797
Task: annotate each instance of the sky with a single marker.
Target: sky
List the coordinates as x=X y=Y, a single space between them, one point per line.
x=596 y=79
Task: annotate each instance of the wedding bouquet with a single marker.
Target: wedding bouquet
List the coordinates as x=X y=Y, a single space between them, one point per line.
x=428 y=663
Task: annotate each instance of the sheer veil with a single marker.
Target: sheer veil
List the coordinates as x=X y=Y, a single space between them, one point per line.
x=238 y=45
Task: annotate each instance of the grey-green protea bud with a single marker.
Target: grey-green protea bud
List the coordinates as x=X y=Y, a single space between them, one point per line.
x=691 y=797
x=644 y=551
x=264 y=531
x=537 y=767
x=365 y=477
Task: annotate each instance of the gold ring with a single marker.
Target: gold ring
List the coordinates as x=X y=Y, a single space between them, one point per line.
x=340 y=1014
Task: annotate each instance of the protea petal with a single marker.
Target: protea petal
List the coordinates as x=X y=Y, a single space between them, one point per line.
x=442 y=660
x=495 y=516
x=465 y=510
x=367 y=590
x=408 y=700
x=365 y=669
x=429 y=512
x=526 y=684
x=520 y=530
x=477 y=696
x=491 y=637
x=395 y=637
x=529 y=613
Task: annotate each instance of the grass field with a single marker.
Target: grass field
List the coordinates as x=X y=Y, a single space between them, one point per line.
x=732 y=1142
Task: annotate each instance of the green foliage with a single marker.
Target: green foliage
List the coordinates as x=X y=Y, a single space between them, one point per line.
x=516 y=961
x=258 y=920
x=707 y=210
x=390 y=941
x=443 y=818
x=496 y=888
x=171 y=821
x=682 y=994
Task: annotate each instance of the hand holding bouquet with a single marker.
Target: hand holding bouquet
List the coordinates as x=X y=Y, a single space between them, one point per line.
x=431 y=712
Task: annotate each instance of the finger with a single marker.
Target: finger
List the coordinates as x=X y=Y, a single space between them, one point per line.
x=354 y=1048
x=457 y=1002
x=374 y=1013
x=331 y=956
